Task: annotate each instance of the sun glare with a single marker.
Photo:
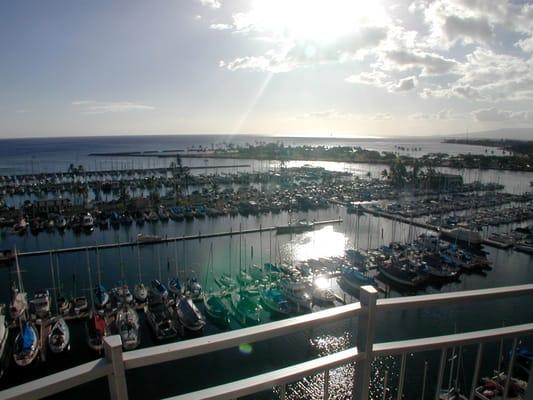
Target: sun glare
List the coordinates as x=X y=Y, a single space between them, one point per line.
x=319 y=20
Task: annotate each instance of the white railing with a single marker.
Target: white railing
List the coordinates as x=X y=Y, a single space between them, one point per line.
x=115 y=363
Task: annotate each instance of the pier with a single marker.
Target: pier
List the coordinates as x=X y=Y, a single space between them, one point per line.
x=159 y=240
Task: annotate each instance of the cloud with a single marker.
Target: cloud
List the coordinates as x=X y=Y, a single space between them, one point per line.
x=211 y=3
x=495 y=115
x=430 y=63
x=526 y=44
x=406 y=84
x=469 y=29
x=303 y=53
x=441 y=115
x=220 y=27
x=102 y=107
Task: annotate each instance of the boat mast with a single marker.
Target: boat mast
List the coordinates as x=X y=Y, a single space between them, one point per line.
x=90 y=278
x=54 y=287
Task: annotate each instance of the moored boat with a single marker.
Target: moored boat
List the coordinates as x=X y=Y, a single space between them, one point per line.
x=59 y=336
x=26 y=346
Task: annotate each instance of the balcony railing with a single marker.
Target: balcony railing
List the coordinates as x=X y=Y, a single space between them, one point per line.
x=115 y=363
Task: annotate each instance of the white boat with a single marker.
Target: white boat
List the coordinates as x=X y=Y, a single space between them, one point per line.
x=59 y=336
x=26 y=345
x=160 y=317
x=461 y=234
x=18 y=304
x=188 y=314
x=40 y=304
x=87 y=222
x=140 y=292
x=297 y=292
x=4 y=334
x=61 y=222
x=80 y=305
x=122 y=293
x=127 y=322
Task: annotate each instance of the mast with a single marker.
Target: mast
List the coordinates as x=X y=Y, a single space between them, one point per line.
x=54 y=287
x=90 y=278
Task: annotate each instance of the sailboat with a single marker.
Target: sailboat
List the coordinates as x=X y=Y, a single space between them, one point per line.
x=19 y=301
x=101 y=295
x=4 y=334
x=275 y=302
x=127 y=322
x=26 y=344
x=96 y=325
x=194 y=289
x=59 y=336
x=140 y=292
x=246 y=311
x=174 y=285
x=215 y=307
x=188 y=314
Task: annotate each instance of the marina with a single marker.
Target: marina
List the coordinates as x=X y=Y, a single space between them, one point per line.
x=155 y=282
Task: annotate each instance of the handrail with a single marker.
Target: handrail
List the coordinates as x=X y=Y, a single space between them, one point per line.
x=59 y=381
x=207 y=344
x=457 y=339
x=268 y=380
x=115 y=362
x=428 y=300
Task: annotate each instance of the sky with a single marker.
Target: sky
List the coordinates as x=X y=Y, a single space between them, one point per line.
x=272 y=67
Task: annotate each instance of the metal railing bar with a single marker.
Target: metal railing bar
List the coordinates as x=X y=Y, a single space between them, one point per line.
x=58 y=382
x=438 y=342
x=510 y=369
x=429 y=300
x=326 y=385
x=477 y=367
x=442 y=365
x=402 y=377
x=271 y=379
x=208 y=344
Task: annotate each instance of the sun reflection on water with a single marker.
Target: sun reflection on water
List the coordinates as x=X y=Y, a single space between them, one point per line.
x=324 y=242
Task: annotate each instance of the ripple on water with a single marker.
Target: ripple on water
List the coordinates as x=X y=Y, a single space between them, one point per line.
x=341 y=379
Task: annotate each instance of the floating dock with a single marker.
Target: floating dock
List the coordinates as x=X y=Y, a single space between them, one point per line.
x=165 y=239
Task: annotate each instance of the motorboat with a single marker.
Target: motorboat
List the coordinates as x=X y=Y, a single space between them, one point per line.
x=159 y=317
x=297 y=292
x=122 y=293
x=174 y=286
x=40 y=304
x=127 y=323
x=87 y=222
x=80 y=305
x=352 y=279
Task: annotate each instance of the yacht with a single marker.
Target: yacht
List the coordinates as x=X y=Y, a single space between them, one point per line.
x=59 y=336
x=160 y=317
x=297 y=292
x=87 y=222
x=127 y=322
x=26 y=346
x=40 y=304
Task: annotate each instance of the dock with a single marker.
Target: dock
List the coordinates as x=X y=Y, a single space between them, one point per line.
x=165 y=239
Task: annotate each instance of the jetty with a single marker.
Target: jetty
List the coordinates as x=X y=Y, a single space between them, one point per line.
x=165 y=239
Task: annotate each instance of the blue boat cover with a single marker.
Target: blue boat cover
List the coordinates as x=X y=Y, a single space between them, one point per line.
x=28 y=338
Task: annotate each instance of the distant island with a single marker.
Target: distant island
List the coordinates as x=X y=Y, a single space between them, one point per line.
x=514 y=161
x=524 y=147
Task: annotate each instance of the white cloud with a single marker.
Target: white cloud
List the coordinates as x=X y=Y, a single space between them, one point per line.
x=441 y=115
x=495 y=115
x=211 y=3
x=406 y=84
x=220 y=27
x=526 y=44
x=102 y=107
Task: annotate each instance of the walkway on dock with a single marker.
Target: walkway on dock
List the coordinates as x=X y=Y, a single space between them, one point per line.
x=165 y=239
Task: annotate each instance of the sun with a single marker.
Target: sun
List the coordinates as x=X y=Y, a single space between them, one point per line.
x=317 y=20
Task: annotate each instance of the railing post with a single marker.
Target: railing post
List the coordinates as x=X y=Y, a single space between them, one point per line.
x=118 y=388
x=365 y=341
